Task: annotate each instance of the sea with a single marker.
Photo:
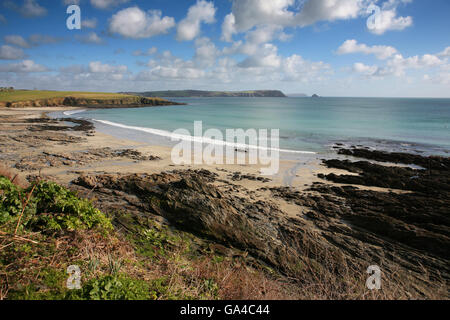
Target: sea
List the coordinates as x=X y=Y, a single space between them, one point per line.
x=309 y=125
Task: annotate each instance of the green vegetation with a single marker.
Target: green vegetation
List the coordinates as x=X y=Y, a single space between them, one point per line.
x=48 y=207
x=11 y=200
x=112 y=288
x=45 y=228
x=26 y=95
x=69 y=212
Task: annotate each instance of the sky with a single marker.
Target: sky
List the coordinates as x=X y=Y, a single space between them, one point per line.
x=370 y=48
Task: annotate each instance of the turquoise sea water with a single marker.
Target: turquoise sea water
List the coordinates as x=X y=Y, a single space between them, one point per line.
x=306 y=124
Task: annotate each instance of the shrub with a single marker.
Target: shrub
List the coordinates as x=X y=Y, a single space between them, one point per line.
x=113 y=288
x=51 y=208
x=11 y=198
x=60 y=209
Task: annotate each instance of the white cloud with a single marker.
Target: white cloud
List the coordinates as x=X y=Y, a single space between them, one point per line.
x=172 y=73
x=250 y=13
x=32 y=41
x=228 y=27
x=146 y=53
x=3 y=19
x=137 y=24
x=28 y=9
x=442 y=78
x=107 y=4
x=96 y=71
x=89 y=23
x=26 y=66
x=329 y=10
x=70 y=2
x=17 y=41
x=206 y=53
x=264 y=34
x=296 y=68
x=31 y=8
x=388 y=20
x=365 y=69
x=390 y=4
x=11 y=53
x=247 y=14
x=40 y=39
x=267 y=56
x=208 y=68
x=98 y=67
x=398 y=65
x=352 y=46
x=189 y=28
x=92 y=38
x=73 y=69
x=169 y=67
x=255 y=40
x=445 y=53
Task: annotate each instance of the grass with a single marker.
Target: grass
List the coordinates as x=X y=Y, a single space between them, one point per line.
x=27 y=95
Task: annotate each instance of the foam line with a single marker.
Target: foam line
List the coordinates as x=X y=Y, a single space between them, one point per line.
x=174 y=136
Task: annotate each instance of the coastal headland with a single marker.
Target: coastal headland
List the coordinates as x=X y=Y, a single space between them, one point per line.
x=33 y=98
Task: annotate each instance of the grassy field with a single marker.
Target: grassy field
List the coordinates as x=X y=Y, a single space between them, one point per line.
x=27 y=95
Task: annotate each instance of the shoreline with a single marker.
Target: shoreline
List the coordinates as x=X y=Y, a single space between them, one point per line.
x=343 y=203
x=103 y=139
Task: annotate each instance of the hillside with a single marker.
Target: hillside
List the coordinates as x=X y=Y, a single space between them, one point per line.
x=210 y=94
x=34 y=98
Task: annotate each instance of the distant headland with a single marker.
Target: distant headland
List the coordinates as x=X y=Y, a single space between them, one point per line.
x=11 y=98
x=209 y=94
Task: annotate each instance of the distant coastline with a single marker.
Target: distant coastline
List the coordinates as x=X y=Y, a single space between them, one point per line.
x=209 y=94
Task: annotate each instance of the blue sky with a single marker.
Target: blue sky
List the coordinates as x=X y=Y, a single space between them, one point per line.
x=298 y=46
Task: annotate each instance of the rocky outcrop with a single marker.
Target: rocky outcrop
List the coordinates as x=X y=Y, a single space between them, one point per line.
x=56 y=160
x=432 y=183
x=407 y=235
x=429 y=163
x=416 y=222
x=47 y=124
x=189 y=201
